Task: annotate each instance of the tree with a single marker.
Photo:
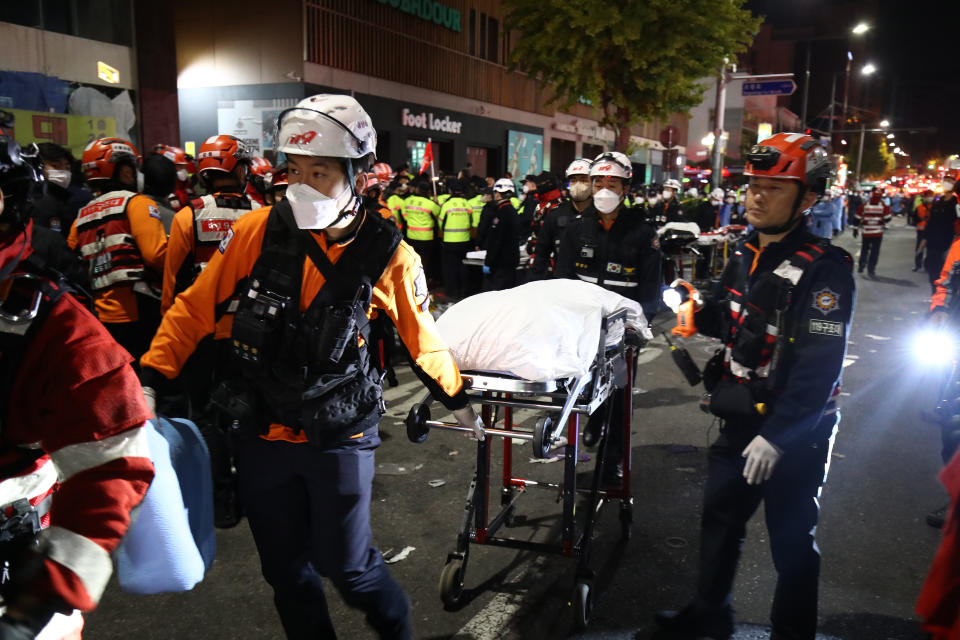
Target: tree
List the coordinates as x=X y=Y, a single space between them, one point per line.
x=635 y=61
x=877 y=160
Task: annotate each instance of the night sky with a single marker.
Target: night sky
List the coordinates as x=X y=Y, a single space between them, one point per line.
x=914 y=44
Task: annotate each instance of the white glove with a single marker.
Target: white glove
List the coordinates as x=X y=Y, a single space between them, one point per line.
x=150 y=395
x=762 y=457
x=467 y=417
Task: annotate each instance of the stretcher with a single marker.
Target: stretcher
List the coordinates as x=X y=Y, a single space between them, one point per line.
x=562 y=403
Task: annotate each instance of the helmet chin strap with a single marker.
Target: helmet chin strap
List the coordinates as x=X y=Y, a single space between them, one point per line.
x=348 y=211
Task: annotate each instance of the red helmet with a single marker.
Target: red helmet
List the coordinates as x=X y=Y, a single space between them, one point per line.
x=222 y=153
x=372 y=183
x=276 y=178
x=100 y=157
x=176 y=155
x=260 y=166
x=383 y=172
x=792 y=156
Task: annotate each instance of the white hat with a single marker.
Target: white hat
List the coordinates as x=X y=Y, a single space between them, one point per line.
x=503 y=185
x=612 y=163
x=579 y=167
x=327 y=125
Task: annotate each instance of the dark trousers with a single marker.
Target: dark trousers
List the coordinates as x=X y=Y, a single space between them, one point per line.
x=454 y=271
x=500 y=278
x=791 y=507
x=309 y=511
x=918 y=252
x=870 y=253
x=426 y=249
x=135 y=337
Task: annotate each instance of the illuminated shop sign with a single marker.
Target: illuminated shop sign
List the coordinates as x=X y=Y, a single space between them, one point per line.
x=435 y=12
x=426 y=120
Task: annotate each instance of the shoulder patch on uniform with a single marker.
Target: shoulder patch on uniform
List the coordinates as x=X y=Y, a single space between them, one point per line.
x=825 y=301
x=154 y=211
x=421 y=295
x=226 y=241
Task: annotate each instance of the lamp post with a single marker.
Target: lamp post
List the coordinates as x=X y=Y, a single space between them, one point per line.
x=860 y=29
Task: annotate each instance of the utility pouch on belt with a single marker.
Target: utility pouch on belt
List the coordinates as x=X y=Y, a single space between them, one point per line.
x=329 y=413
x=735 y=402
x=750 y=342
x=713 y=370
x=239 y=405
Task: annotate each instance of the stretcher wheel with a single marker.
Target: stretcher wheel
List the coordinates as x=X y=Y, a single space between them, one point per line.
x=451 y=583
x=417 y=428
x=583 y=604
x=541 y=442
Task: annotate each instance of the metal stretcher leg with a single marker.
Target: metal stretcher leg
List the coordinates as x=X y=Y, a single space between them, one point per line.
x=626 y=496
x=507 y=490
x=570 y=484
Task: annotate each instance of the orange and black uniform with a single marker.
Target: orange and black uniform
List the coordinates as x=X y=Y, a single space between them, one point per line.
x=284 y=480
x=121 y=240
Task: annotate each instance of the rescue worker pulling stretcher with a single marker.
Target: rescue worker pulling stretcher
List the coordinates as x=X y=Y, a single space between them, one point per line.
x=783 y=307
x=308 y=273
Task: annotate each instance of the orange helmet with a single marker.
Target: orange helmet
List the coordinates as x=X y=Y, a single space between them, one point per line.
x=222 y=153
x=176 y=155
x=260 y=166
x=277 y=178
x=383 y=172
x=100 y=157
x=372 y=183
x=792 y=156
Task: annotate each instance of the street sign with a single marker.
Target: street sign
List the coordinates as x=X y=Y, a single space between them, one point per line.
x=769 y=88
x=670 y=136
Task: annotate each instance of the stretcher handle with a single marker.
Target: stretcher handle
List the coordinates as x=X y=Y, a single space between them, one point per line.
x=453 y=426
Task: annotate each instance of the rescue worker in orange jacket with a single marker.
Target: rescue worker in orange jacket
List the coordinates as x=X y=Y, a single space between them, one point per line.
x=309 y=272
x=120 y=237
x=71 y=468
x=196 y=233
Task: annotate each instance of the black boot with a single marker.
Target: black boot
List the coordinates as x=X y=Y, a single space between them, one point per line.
x=693 y=623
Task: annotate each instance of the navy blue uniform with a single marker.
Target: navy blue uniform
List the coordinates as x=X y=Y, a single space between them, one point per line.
x=801 y=419
x=498 y=235
x=549 y=236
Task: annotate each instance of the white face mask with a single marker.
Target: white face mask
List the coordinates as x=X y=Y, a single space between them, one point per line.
x=140 y=181
x=947 y=185
x=182 y=175
x=579 y=191
x=653 y=199
x=667 y=194
x=526 y=188
x=729 y=201
x=315 y=210
x=59 y=177
x=743 y=198
x=606 y=200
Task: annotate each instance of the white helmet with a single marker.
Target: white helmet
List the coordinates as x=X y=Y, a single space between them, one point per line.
x=579 y=167
x=716 y=194
x=327 y=125
x=612 y=163
x=504 y=185
x=672 y=184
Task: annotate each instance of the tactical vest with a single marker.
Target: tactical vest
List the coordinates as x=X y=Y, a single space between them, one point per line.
x=619 y=269
x=106 y=241
x=456 y=216
x=759 y=330
x=418 y=214
x=308 y=370
x=213 y=218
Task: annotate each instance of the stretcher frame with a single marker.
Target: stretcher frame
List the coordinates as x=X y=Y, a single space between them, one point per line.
x=568 y=399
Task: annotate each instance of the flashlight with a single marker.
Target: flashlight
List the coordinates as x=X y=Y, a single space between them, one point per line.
x=684 y=300
x=934 y=346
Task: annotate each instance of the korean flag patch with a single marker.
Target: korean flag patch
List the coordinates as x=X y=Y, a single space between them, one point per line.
x=226 y=241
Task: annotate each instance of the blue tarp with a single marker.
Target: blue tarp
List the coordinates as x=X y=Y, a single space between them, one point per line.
x=33 y=92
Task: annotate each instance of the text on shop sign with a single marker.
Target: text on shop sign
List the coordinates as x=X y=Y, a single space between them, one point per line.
x=430 y=11
x=426 y=120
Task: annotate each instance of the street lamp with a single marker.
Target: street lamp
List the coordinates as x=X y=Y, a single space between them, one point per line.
x=890 y=136
x=860 y=29
x=868 y=68
x=884 y=123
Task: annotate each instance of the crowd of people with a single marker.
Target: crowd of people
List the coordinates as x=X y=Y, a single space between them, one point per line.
x=263 y=302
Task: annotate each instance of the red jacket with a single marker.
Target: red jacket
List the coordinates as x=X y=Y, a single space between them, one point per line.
x=939 y=602
x=78 y=398
x=872 y=216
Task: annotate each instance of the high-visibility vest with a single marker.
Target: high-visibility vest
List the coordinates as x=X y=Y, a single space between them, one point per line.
x=106 y=241
x=476 y=205
x=455 y=220
x=213 y=217
x=420 y=215
x=517 y=203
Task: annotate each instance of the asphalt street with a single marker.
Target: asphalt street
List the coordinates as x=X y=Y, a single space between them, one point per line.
x=876 y=546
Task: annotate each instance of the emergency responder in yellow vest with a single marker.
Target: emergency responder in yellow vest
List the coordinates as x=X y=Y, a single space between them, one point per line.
x=420 y=217
x=121 y=239
x=457 y=231
x=309 y=272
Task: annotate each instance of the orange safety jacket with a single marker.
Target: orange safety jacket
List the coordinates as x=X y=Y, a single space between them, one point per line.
x=940 y=295
x=121 y=238
x=195 y=235
x=401 y=293
x=923 y=213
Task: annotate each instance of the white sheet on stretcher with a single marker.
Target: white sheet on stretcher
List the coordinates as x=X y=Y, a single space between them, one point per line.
x=539 y=331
